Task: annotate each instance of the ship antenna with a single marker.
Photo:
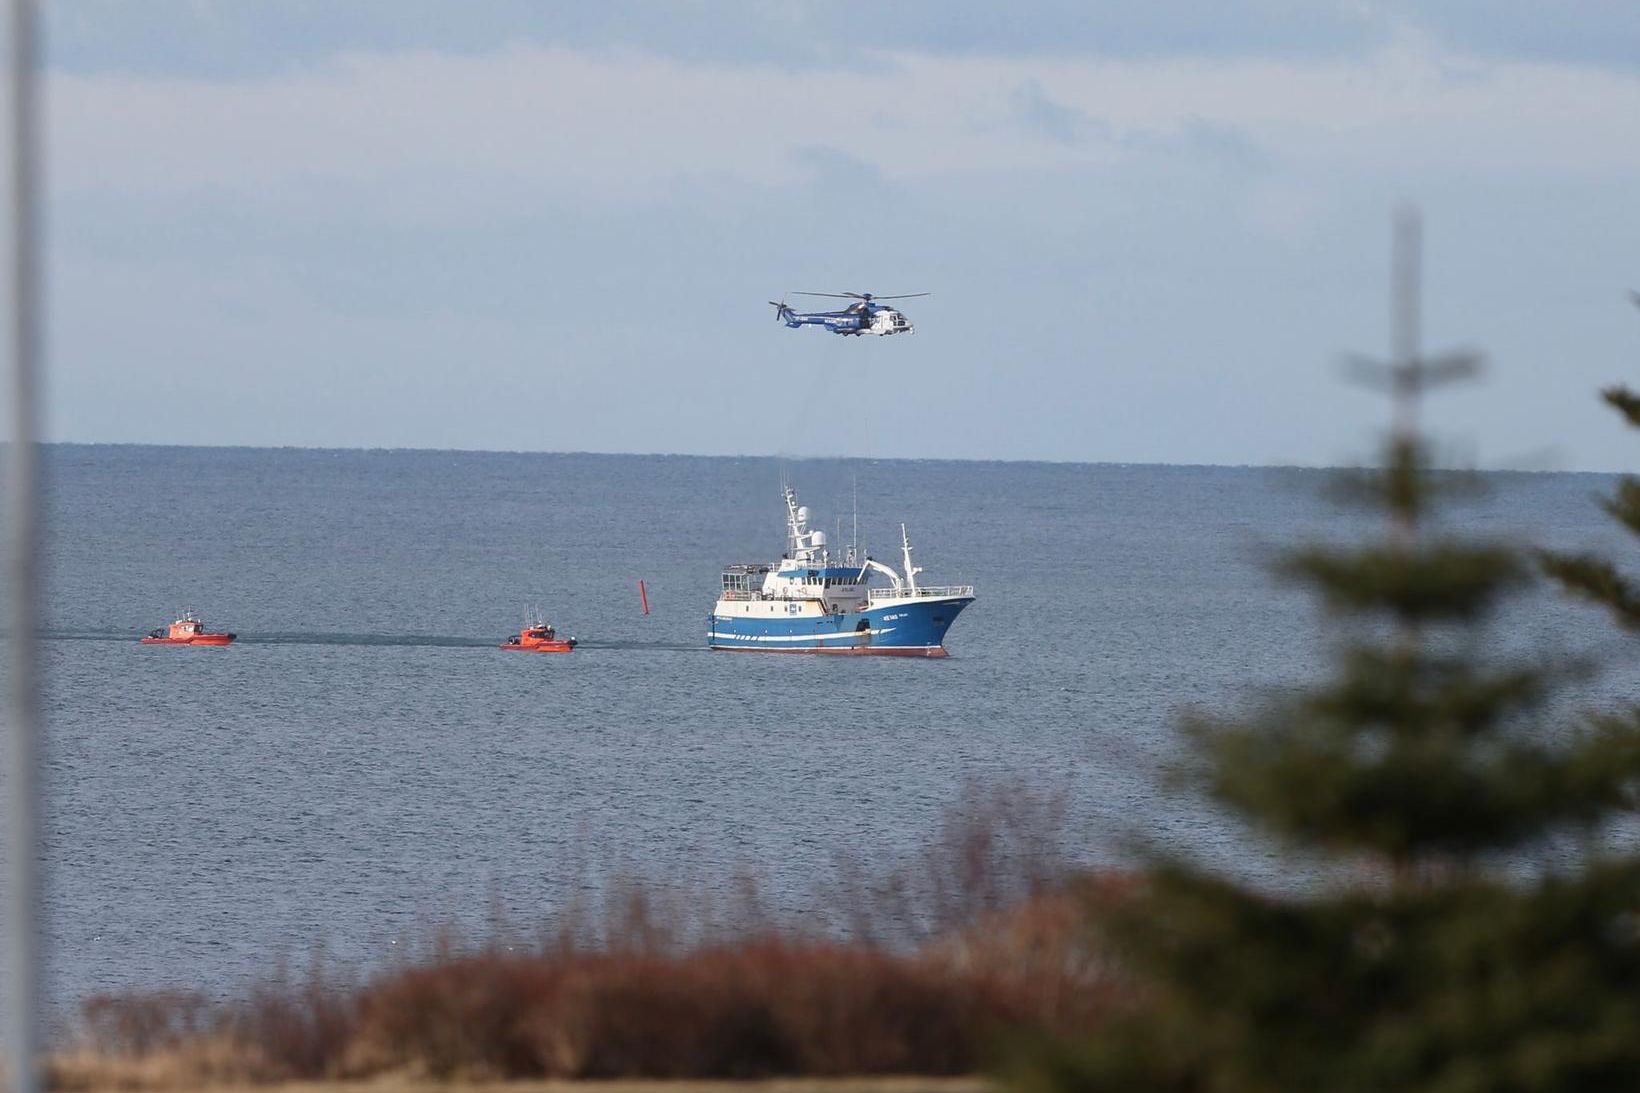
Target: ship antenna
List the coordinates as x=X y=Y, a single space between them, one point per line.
x=794 y=543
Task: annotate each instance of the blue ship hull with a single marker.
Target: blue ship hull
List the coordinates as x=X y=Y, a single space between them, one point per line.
x=914 y=627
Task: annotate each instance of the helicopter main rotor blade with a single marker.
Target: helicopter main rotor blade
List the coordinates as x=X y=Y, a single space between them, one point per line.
x=866 y=296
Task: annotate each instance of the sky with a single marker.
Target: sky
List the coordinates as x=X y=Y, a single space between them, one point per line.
x=1151 y=230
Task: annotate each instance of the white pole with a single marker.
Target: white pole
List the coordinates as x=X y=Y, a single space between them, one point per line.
x=21 y=1044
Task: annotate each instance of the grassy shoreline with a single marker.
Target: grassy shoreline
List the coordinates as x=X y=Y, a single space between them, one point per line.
x=114 y=1080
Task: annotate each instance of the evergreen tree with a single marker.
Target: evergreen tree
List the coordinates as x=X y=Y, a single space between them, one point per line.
x=1593 y=577
x=1450 y=922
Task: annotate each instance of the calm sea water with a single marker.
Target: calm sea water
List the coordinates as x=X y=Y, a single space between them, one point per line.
x=364 y=764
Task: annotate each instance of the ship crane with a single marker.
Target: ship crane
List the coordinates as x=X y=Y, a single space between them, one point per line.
x=887 y=571
x=911 y=571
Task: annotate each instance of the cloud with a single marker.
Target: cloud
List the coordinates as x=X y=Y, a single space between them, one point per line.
x=835 y=170
x=1224 y=144
x=1038 y=113
x=426 y=131
x=230 y=38
x=600 y=227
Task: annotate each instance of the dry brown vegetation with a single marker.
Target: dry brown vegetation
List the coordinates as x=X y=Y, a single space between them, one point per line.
x=946 y=955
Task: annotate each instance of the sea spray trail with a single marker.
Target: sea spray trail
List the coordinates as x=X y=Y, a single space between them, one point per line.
x=402 y=640
x=388 y=640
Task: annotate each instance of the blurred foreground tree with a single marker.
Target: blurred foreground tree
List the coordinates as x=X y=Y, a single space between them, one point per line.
x=1591 y=576
x=1451 y=920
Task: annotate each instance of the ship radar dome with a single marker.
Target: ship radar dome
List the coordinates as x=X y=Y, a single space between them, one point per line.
x=818 y=538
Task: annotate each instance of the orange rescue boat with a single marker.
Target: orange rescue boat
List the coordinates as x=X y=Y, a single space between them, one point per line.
x=188 y=630
x=538 y=637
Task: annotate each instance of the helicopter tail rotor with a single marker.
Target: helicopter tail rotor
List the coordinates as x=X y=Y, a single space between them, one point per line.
x=782 y=313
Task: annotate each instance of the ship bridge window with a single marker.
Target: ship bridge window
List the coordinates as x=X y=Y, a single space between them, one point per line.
x=736 y=581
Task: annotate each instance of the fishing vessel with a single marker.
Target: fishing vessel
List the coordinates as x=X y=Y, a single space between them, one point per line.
x=539 y=637
x=812 y=602
x=188 y=630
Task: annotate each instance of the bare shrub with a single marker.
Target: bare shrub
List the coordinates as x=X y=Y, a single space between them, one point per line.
x=999 y=845
x=459 y=1016
x=1046 y=953
x=978 y=937
x=300 y=1028
x=761 y=1008
x=138 y=1023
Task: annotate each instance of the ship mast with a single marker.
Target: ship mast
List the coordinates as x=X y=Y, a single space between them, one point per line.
x=854 y=540
x=802 y=545
x=794 y=522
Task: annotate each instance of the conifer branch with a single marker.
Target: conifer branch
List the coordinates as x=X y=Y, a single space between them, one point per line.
x=1625 y=401
x=1594 y=579
x=1433 y=582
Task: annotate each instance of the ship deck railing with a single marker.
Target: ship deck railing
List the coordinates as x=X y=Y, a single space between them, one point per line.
x=927 y=591
x=921 y=592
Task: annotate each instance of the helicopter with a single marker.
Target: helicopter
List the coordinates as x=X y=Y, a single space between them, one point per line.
x=864 y=316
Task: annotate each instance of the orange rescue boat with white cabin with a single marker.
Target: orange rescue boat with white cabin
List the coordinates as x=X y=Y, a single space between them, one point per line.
x=188 y=630
x=539 y=637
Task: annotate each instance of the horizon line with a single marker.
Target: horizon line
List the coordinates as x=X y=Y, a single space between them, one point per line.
x=798 y=457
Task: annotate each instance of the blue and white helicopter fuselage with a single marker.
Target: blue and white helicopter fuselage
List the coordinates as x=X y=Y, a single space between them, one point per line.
x=865 y=316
